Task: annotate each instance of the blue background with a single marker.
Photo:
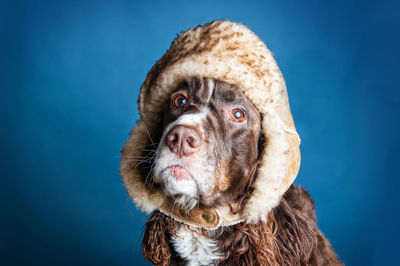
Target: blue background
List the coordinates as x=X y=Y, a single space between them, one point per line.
x=70 y=76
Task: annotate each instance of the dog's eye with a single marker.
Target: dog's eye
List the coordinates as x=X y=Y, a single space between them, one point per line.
x=238 y=115
x=178 y=101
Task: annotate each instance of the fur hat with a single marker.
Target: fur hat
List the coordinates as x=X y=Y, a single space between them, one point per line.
x=232 y=53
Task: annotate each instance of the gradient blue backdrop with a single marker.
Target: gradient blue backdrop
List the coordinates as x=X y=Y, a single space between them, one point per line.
x=70 y=76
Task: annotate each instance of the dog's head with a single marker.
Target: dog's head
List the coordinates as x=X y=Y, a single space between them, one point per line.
x=209 y=139
x=208 y=151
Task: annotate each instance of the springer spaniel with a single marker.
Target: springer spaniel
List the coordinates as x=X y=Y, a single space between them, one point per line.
x=208 y=153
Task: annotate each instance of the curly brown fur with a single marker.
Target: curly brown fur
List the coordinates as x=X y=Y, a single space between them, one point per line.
x=250 y=244
x=290 y=237
x=155 y=241
x=299 y=239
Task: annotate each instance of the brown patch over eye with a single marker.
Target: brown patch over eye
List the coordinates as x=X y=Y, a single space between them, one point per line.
x=238 y=115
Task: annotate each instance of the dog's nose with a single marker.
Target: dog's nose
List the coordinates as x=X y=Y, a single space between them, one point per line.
x=183 y=141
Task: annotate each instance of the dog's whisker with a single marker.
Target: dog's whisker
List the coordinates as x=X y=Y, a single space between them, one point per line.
x=138 y=159
x=150 y=150
x=155 y=145
x=135 y=157
x=148 y=133
x=148 y=175
x=139 y=164
x=151 y=170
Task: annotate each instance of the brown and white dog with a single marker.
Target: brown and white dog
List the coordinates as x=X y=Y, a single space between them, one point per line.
x=214 y=156
x=207 y=155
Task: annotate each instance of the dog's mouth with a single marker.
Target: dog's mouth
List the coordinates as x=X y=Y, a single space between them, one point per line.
x=180 y=184
x=178 y=172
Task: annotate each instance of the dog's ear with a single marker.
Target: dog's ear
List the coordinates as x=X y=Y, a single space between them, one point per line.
x=297 y=231
x=299 y=238
x=155 y=241
x=238 y=204
x=251 y=244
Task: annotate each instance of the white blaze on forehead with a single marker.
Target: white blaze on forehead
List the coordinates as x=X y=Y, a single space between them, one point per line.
x=187 y=120
x=211 y=85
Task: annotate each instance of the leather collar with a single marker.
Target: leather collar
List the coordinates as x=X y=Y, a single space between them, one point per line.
x=201 y=216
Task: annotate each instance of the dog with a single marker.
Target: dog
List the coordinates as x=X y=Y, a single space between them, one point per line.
x=208 y=153
x=214 y=156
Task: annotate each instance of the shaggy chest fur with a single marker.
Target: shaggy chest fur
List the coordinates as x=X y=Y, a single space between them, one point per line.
x=290 y=237
x=196 y=249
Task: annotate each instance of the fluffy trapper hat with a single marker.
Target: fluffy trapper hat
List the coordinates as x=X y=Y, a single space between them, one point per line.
x=232 y=53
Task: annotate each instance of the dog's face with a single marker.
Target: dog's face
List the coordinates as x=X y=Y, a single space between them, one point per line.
x=209 y=147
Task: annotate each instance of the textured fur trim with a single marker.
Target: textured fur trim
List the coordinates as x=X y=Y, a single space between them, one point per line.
x=232 y=53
